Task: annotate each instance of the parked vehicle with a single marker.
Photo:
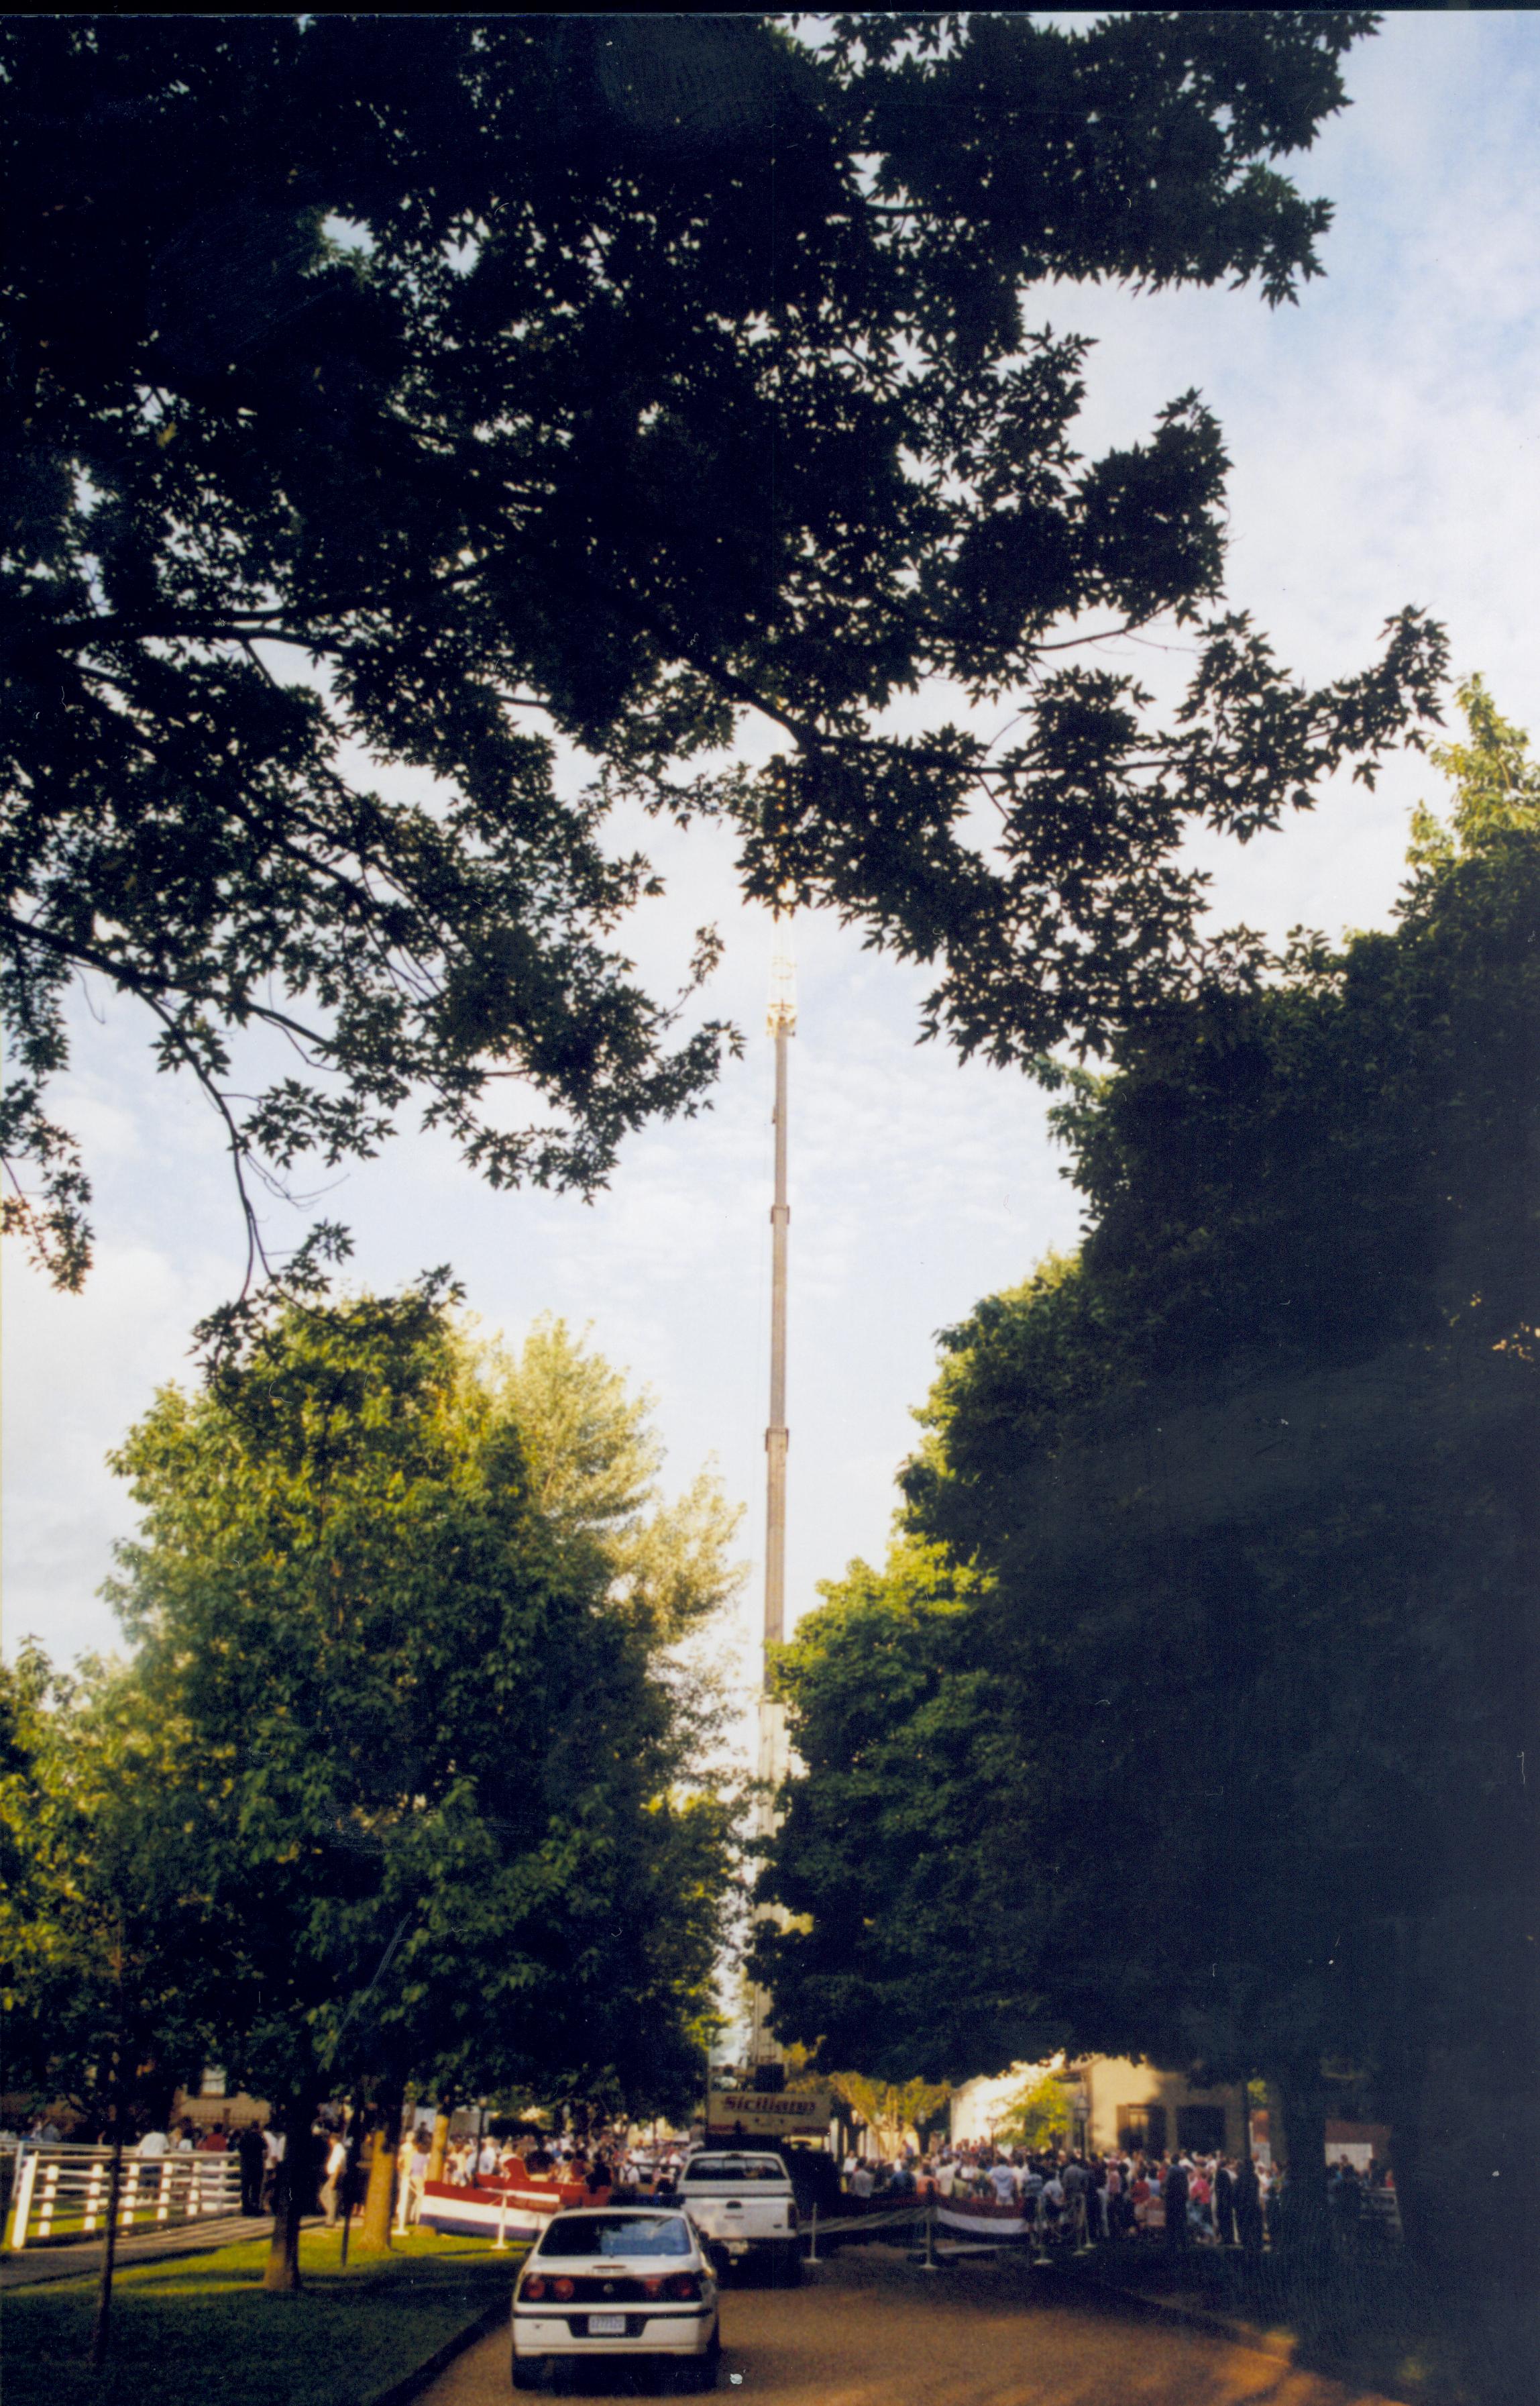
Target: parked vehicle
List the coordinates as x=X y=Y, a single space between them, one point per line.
x=744 y=2204
x=617 y=2281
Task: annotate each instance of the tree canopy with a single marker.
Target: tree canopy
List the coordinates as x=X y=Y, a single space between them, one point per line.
x=1199 y=1692
x=473 y=398
x=101 y=1986
x=426 y=1791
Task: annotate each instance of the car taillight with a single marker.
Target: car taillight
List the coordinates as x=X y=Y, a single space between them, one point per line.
x=652 y=2288
x=531 y=2286
x=563 y=2289
x=684 y=2285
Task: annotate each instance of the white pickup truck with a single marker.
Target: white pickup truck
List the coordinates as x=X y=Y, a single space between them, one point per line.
x=741 y=2204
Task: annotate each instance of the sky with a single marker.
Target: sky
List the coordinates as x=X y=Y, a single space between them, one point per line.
x=1383 y=439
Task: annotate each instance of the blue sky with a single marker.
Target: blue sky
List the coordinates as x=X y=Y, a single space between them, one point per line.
x=1383 y=435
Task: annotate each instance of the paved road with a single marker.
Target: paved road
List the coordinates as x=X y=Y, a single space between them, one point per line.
x=870 y=2330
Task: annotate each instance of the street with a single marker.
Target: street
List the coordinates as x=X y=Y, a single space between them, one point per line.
x=871 y=2330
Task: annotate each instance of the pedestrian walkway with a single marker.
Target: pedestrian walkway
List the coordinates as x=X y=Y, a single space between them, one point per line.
x=1121 y=2281
x=31 y=2264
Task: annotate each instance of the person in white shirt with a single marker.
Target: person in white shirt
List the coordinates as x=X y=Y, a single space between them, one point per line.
x=154 y=2143
x=274 y=2144
x=861 y=2180
x=1002 y=2180
x=336 y=2165
x=417 y=2170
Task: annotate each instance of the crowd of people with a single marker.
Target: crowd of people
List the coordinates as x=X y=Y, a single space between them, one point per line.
x=259 y=2151
x=1072 y=2199
x=1068 y=2200
x=607 y=2164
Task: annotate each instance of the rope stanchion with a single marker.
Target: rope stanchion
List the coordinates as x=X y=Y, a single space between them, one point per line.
x=930 y=2264
x=813 y=2257
x=500 y=2245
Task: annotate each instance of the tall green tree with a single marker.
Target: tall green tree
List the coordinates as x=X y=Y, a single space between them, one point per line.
x=436 y=1764
x=101 y=1973
x=445 y=393
x=913 y=1946
x=1243 y=1495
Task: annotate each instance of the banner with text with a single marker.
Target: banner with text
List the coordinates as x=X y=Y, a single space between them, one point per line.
x=770 y=2114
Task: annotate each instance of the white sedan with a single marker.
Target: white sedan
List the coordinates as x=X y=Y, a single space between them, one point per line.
x=617 y=2281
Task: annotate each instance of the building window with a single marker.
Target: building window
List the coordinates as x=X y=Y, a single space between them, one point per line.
x=1141 y=2130
x=1201 y=2129
x=212 y=2083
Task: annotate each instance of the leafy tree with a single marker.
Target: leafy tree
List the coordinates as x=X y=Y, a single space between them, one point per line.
x=1497 y=792
x=1038 y=2115
x=1242 y=1496
x=437 y=1775
x=891 y=2108
x=447 y=393
x=893 y=1856
x=101 y=1984
x=592 y=1463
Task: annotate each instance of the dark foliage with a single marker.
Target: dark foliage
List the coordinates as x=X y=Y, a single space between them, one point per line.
x=432 y=393
x=1218 y=1749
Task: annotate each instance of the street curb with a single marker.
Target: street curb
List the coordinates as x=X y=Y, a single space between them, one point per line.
x=412 y=2385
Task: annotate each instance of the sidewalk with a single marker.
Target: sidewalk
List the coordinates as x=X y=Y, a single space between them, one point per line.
x=1176 y=2305
x=1341 y=2336
x=24 y=2269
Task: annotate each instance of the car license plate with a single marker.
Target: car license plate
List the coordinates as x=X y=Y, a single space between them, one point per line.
x=606 y=2326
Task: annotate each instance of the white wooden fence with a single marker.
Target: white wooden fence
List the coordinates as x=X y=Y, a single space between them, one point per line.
x=67 y=2184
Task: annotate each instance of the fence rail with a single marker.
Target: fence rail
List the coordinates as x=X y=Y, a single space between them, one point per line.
x=67 y=2185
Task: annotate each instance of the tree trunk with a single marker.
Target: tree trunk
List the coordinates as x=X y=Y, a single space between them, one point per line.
x=1416 y=2194
x=440 y=2146
x=380 y=2196
x=350 y=2172
x=283 y=2254
x=1306 y=2224
x=109 y=2249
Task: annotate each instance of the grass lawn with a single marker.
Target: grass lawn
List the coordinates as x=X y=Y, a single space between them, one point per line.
x=201 y=2327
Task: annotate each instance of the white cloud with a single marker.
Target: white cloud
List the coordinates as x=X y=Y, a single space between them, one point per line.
x=76 y=1371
